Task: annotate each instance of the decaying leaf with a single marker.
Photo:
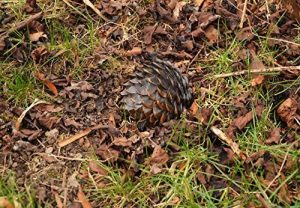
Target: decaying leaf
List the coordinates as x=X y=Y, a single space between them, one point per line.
x=287 y=111
x=256 y=63
x=274 y=136
x=83 y=199
x=95 y=167
x=158 y=157
x=242 y=121
x=134 y=51
x=148 y=32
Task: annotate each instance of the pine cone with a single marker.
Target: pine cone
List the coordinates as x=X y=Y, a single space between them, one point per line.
x=156 y=93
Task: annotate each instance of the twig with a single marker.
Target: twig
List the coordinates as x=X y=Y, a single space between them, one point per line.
x=255 y=71
x=23 y=23
x=81 y=134
x=233 y=145
x=243 y=14
x=263 y=201
x=65 y=187
x=276 y=39
x=23 y=114
x=89 y=4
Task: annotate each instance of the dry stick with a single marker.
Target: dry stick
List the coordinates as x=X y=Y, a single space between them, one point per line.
x=263 y=201
x=233 y=145
x=23 y=23
x=89 y=4
x=254 y=71
x=243 y=14
x=81 y=134
x=65 y=187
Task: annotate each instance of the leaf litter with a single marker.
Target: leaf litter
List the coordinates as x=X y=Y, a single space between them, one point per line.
x=84 y=114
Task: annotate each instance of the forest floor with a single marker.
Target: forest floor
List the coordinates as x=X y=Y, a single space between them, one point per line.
x=66 y=142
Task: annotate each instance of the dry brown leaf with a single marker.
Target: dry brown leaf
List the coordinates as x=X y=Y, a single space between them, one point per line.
x=257 y=80
x=212 y=34
x=107 y=153
x=58 y=201
x=39 y=54
x=197 y=32
x=274 y=136
x=198 y=3
x=177 y=9
x=134 y=51
x=245 y=34
x=242 y=121
x=256 y=63
x=293 y=8
x=83 y=199
x=36 y=36
x=194 y=108
x=158 y=157
x=122 y=141
x=5 y=203
x=287 y=111
x=148 y=33
x=2 y=44
x=47 y=82
x=95 y=167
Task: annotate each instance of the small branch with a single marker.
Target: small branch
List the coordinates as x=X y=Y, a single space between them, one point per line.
x=257 y=71
x=89 y=4
x=243 y=14
x=263 y=201
x=23 y=23
x=81 y=134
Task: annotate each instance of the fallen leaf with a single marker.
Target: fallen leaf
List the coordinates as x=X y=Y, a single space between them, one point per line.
x=245 y=34
x=148 y=33
x=257 y=80
x=287 y=111
x=255 y=64
x=83 y=199
x=48 y=121
x=159 y=156
x=212 y=34
x=274 y=136
x=198 y=3
x=95 y=167
x=194 y=108
x=5 y=203
x=134 y=51
x=2 y=44
x=197 y=32
x=47 y=82
x=58 y=201
x=122 y=141
x=178 y=8
x=36 y=36
x=107 y=153
x=39 y=54
x=242 y=121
